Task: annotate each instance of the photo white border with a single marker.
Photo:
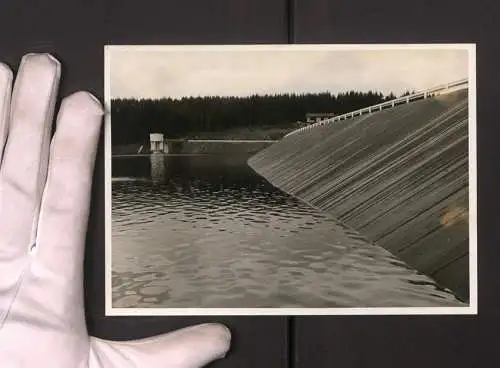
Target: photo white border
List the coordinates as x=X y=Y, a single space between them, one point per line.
x=472 y=309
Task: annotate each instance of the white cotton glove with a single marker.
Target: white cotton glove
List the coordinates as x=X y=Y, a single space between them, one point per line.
x=44 y=204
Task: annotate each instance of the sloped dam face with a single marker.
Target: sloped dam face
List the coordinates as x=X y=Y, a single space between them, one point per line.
x=398 y=176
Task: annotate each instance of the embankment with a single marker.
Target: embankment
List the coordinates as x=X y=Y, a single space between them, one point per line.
x=398 y=176
x=191 y=147
x=262 y=133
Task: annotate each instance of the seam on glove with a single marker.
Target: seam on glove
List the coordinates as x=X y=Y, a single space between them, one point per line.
x=17 y=287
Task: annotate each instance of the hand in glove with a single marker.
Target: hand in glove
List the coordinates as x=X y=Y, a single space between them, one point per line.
x=44 y=202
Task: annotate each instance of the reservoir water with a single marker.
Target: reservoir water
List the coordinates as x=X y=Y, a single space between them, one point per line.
x=206 y=231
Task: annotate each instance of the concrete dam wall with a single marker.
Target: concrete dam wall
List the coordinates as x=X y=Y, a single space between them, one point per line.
x=193 y=147
x=398 y=176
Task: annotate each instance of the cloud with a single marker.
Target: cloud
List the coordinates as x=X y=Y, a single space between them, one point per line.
x=178 y=72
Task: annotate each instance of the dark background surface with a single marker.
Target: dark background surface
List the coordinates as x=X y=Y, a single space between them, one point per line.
x=76 y=31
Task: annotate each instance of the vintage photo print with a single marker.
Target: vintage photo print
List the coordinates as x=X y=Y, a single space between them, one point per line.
x=291 y=179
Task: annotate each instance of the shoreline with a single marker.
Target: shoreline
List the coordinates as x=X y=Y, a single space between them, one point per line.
x=193 y=147
x=249 y=141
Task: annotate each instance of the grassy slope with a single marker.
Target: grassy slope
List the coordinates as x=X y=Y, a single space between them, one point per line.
x=260 y=133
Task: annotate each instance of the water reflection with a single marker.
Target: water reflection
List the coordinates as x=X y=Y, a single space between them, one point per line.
x=206 y=231
x=157 y=167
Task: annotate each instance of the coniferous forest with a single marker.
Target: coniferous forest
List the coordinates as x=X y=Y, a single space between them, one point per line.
x=133 y=120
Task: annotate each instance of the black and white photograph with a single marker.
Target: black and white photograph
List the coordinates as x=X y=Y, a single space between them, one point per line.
x=291 y=179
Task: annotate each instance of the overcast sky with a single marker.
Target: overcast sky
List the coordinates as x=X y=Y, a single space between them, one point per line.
x=177 y=72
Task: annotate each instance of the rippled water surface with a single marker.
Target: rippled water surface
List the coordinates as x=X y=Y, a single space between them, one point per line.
x=206 y=231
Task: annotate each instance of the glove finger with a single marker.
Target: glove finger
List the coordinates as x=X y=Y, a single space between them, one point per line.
x=24 y=165
x=191 y=347
x=5 y=94
x=65 y=203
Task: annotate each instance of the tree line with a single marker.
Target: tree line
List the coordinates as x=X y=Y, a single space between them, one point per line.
x=133 y=119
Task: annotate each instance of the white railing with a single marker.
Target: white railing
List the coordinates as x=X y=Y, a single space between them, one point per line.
x=462 y=83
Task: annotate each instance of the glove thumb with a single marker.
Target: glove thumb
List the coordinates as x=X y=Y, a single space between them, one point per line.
x=191 y=347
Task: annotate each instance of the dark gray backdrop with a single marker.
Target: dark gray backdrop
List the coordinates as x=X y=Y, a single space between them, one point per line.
x=76 y=31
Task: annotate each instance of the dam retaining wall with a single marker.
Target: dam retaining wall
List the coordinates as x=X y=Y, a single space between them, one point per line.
x=193 y=147
x=398 y=176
